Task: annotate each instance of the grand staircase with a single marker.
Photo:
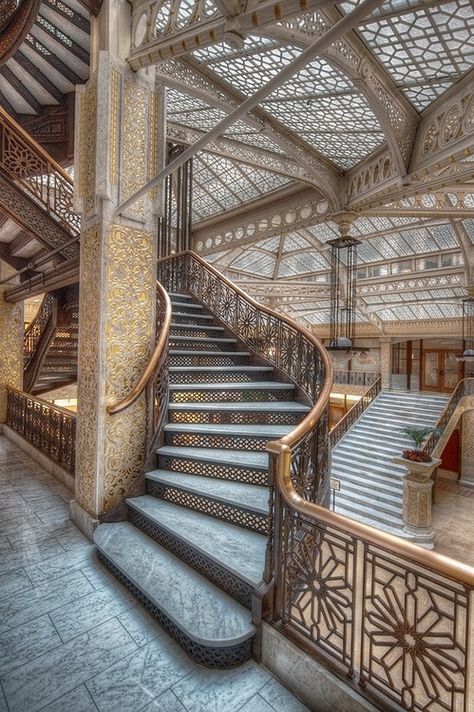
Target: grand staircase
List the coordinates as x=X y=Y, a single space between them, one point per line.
x=193 y=547
x=371 y=484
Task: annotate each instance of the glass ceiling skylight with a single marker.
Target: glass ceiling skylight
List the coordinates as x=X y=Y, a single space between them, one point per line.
x=319 y=103
x=220 y=184
x=425 y=47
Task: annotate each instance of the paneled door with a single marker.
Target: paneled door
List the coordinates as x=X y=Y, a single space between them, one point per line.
x=441 y=370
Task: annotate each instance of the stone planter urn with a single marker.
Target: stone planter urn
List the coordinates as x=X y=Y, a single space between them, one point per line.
x=417 y=486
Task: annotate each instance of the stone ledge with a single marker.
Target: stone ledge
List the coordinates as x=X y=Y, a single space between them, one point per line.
x=308 y=679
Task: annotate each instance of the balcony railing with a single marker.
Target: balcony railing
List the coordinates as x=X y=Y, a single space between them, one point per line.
x=355 y=378
x=463 y=389
x=42 y=179
x=50 y=429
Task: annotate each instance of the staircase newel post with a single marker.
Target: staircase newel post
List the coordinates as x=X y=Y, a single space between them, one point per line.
x=417 y=500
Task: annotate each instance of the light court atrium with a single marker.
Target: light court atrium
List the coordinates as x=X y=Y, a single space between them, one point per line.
x=236 y=355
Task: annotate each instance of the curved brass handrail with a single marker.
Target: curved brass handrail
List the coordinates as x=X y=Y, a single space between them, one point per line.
x=159 y=353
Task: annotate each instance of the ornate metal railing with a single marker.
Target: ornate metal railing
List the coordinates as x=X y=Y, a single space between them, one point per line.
x=29 y=166
x=36 y=328
x=464 y=388
x=354 y=413
x=283 y=343
x=46 y=426
x=355 y=378
x=155 y=379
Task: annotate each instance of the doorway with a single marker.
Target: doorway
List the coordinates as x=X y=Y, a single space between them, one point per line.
x=441 y=370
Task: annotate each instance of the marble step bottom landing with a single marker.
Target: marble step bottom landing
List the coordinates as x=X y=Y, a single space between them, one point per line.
x=212 y=627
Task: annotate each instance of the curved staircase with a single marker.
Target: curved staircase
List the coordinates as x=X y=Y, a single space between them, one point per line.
x=193 y=547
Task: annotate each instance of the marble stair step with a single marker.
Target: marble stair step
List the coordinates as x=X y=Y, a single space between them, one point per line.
x=241 y=503
x=177 y=305
x=373 y=433
x=198 y=327
x=369 y=480
x=192 y=608
x=181 y=296
x=240 y=458
x=200 y=339
x=392 y=527
x=214 y=354
x=221 y=369
x=381 y=504
x=238 y=550
x=377 y=445
x=257 y=385
x=366 y=461
x=246 y=437
x=191 y=315
x=393 y=517
x=239 y=494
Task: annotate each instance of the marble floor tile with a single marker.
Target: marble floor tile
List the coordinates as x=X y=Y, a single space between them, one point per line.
x=20 y=523
x=55 y=515
x=14 y=582
x=78 y=700
x=89 y=611
x=46 y=678
x=59 y=565
x=281 y=699
x=3 y=703
x=38 y=533
x=140 y=625
x=27 y=605
x=257 y=704
x=72 y=539
x=45 y=502
x=218 y=690
x=28 y=555
x=99 y=576
x=167 y=702
x=136 y=680
x=25 y=642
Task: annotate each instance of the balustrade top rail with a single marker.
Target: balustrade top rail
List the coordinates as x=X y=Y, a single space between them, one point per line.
x=44 y=180
x=48 y=427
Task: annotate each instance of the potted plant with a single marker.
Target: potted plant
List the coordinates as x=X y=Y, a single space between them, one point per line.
x=417 y=436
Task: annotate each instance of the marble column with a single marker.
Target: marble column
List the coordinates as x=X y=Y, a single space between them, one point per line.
x=467 y=448
x=11 y=339
x=117 y=150
x=386 y=361
x=417 y=498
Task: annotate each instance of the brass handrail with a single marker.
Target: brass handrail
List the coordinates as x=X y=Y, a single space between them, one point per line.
x=391 y=543
x=349 y=418
x=159 y=353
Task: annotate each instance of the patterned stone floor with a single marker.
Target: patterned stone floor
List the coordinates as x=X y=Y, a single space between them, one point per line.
x=72 y=639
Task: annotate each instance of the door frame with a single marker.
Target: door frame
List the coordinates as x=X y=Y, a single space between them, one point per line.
x=440 y=386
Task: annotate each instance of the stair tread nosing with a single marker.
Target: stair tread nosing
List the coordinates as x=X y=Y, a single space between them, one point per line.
x=206 y=614
x=248 y=496
x=234 y=386
x=260 y=406
x=221 y=369
x=269 y=431
x=244 y=458
x=238 y=550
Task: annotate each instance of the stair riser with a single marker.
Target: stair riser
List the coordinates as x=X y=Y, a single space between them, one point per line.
x=232 y=442
x=234 y=418
x=231 y=396
x=183 y=342
x=210 y=469
x=225 y=579
x=229 y=360
x=219 y=376
x=181 y=299
x=203 y=332
x=192 y=319
x=210 y=657
x=206 y=505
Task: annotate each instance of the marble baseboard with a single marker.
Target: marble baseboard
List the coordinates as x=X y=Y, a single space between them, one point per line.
x=48 y=465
